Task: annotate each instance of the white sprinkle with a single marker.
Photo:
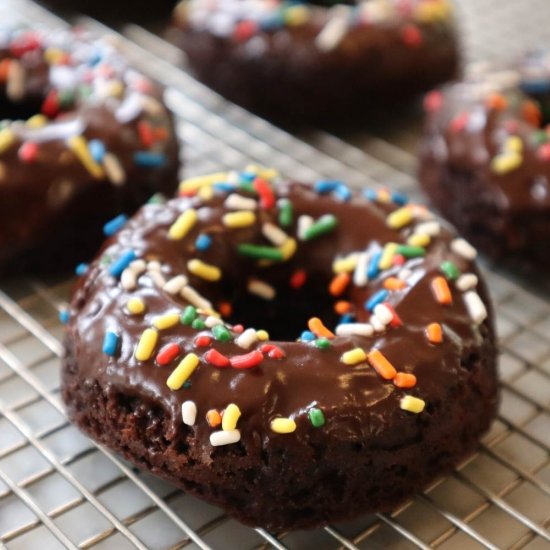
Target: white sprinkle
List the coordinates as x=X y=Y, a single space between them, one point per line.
x=130 y=108
x=194 y=298
x=189 y=412
x=175 y=284
x=154 y=266
x=377 y=325
x=247 y=338
x=224 y=437
x=113 y=168
x=157 y=278
x=428 y=228
x=360 y=277
x=383 y=314
x=15 y=86
x=128 y=279
x=238 y=202
x=466 y=282
x=274 y=234
x=332 y=32
x=463 y=248
x=261 y=289
x=138 y=267
x=212 y=321
x=476 y=308
x=404 y=274
x=304 y=223
x=354 y=329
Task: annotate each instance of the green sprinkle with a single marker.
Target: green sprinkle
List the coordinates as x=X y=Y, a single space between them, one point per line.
x=410 y=251
x=316 y=417
x=157 y=198
x=247 y=186
x=105 y=259
x=221 y=333
x=198 y=324
x=188 y=315
x=187 y=384
x=540 y=137
x=260 y=252
x=322 y=343
x=285 y=213
x=325 y=224
x=66 y=99
x=450 y=270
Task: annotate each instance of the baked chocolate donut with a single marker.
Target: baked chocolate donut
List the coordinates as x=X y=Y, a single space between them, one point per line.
x=284 y=432
x=485 y=160
x=330 y=61
x=85 y=138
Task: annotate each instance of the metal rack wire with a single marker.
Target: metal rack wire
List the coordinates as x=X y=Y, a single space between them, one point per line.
x=58 y=489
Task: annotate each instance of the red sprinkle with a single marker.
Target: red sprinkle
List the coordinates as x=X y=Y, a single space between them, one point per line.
x=396 y=320
x=272 y=351
x=25 y=43
x=238 y=329
x=214 y=357
x=411 y=36
x=146 y=133
x=298 y=279
x=28 y=151
x=433 y=101
x=459 y=122
x=247 y=361
x=167 y=354
x=244 y=30
x=543 y=152
x=50 y=107
x=202 y=341
x=264 y=190
x=398 y=259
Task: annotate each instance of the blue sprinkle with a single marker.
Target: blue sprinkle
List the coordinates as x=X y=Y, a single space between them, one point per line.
x=346 y=318
x=307 y=336
x=271 y=22
x=223 y=187
x=97 y=150
x=203 y=242
x=111 y=227
x=327 y=186
x=247 y=176
x=123 y=261
x=399 y=198
x=343 y=192
x=376 y=299
x=370 y=194
x=373 y=269
x=187 y=384
x=81 y=269
x=110 y=343
x=148 y=159
x=536 y=86
x=64 y=316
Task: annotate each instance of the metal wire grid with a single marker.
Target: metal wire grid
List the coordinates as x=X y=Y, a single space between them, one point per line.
x=58 y=489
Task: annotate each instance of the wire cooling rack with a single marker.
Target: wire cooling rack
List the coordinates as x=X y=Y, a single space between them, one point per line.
x=58 y=489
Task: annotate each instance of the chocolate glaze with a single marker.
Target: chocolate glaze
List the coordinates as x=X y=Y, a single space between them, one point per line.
x=52 y=208
x=280 y=72
x=361 y=409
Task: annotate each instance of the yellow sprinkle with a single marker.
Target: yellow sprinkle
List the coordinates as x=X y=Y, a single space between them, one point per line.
x=288 y=248
x=192 y=185
x=183 y=371
x=166 y=321
x=183 y=225
x=283 y=425
x=135 y=306
x=387 y=256
x=53 y=55
x=36 y=121
x=79 y=146
x=345 y=265
x=261 y=172
x=206 y=193
x=241 y=218
x=419 y=239
x=297 y=15
x=513 y=144
x=412 y=404
x=400 y=218
x=7 y=137
x=262 y=335
x=204 y=271
x=230 y=417
x=383 y=196
x=116 y=88
x=506 y=162
x=146 y=344
x=431 y=12
x=354 y=356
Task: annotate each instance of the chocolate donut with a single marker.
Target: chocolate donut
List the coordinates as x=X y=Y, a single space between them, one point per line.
x=85 y=138
x=485 y=160
x=317 y=61
x=284 y=427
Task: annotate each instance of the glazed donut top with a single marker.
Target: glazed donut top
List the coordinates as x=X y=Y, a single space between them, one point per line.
x=88 y=114
x=400 y=286
x=327 y=22
x=493 y=123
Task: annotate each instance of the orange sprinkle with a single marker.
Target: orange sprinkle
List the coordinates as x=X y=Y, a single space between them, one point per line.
x=441 y=291
x=339 y=284
x=531 y=113
x=161 y=133
x=316 y=326
x=4 y=69
x=393 y=283
x=381 y=365
x=497 y=102
x=342 y=307
x=225 y=309
x=404 y=380
x=213 y=418
x=434 y=333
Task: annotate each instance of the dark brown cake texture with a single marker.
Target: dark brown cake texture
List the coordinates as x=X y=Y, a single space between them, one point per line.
x=391 y=383
x=85 y=138
x=317 y=62
x=485 y=160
